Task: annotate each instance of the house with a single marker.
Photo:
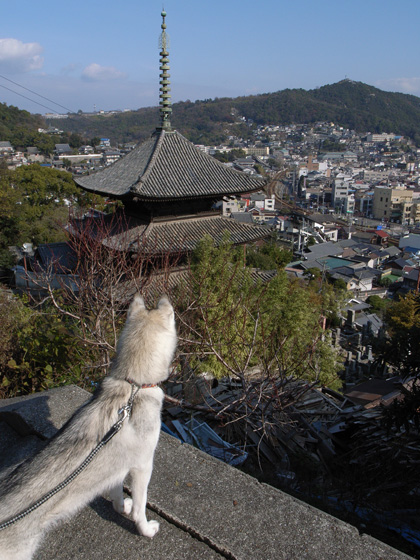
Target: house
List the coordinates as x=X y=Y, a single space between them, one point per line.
x=6 y=148
x=257 y=200
x=52 y=265
x=243 y=217
x=358 y=280
x=369 y=321
x=399 y=265
x=328 y=249
x=63 y=149
x=279 y=223
x=111 y=156
x=244 y=163
x=229 y=205
x=363 y=236
x=86 y=150
x=105 y=143
x=391 y=252
x=410 y=243
x=33 y=155
x=370 y=260
x=269 y=202
x=381 y=237
x=411 y=280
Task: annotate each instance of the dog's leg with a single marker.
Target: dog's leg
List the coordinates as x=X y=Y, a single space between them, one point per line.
x=120 y=504
x=140 y=482
x=23 y=550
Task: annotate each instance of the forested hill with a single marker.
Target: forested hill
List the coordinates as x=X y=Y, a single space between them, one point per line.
x=350 y=104
x=16 y=124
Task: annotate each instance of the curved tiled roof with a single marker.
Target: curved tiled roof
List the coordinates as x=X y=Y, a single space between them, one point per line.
x=168 y=167
x=171 y=236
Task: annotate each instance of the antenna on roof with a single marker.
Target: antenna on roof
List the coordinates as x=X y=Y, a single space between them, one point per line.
x=165 y=103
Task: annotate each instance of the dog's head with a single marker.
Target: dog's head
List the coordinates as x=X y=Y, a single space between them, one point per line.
x=164 y=308
x=147 y=343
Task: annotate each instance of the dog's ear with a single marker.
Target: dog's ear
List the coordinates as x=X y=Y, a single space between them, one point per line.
x=165 y=306
x=136 y=305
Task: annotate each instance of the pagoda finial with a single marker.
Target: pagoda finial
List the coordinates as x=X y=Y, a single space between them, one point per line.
x=165 y=98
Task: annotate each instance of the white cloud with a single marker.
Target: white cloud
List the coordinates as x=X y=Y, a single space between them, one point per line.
x=96 y=73
x=403 y=85
x=16 y=56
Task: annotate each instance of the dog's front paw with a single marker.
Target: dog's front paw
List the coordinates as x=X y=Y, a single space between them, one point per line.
x=128 y=506
x=123 y=506
x=149 y=528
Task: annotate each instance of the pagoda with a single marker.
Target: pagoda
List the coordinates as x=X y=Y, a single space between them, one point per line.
x=169 y=187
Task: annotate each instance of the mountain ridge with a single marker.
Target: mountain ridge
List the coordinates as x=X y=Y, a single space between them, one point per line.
x=350 y=104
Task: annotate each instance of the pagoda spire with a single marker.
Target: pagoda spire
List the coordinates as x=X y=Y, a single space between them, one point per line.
x=165 y=99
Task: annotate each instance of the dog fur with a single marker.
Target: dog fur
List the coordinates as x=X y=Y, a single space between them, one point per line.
x=144 y=353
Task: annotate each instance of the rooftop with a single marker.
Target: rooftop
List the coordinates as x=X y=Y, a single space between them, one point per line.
x=168 y=167
x=171 y=234
x=207 y=509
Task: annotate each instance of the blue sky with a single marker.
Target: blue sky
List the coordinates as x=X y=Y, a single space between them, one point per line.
x=104 y=54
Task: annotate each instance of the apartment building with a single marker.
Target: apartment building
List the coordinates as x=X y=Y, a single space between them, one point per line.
x=394 y=204
x=257 y=151
x=415 y=213
x=383 y=137
x=343 y=198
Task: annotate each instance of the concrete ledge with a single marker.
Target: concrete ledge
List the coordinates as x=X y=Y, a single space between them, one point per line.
x=207 y=509
x=249 y=519
x=43 y=413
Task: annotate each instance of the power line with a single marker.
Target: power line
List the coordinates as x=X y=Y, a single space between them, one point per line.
x=35 y=93
x=29 y=99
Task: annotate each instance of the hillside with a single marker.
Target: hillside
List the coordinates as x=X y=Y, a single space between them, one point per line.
x=351 y=104
x=20 y=128
x=16 y=125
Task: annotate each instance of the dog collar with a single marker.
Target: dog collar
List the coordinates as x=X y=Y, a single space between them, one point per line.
x=143 y=386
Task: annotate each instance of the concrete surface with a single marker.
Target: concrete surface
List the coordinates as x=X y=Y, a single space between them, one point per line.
x=206 y=508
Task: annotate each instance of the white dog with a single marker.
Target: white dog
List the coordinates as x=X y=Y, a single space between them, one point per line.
x=127 y=407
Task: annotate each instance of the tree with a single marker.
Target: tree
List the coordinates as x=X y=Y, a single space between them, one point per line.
x=34 y=206
x=234 y=323
x=405 y=412
x=386 y=282
x=97 y=284
x=95 y=141
x=269 y=256
x=37 y=349
x=378 y=304
x=402 y=347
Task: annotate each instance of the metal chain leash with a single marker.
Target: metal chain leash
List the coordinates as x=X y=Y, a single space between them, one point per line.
x=125 y=411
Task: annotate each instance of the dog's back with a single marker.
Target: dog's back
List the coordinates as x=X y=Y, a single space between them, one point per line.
x=144 y=353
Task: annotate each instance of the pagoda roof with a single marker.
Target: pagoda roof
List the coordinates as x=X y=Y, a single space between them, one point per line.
x=176 y=235
x=165 y=167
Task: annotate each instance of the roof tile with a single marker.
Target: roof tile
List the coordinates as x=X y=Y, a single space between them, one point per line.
x=167 y=167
